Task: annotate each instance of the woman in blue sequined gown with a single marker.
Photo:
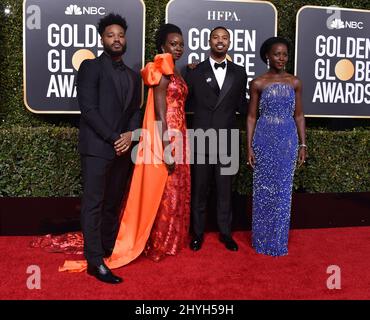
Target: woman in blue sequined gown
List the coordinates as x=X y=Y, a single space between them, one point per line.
x=274 y=142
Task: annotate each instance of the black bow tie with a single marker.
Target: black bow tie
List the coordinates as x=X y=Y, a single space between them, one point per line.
x=118 y=64
x=220 y=65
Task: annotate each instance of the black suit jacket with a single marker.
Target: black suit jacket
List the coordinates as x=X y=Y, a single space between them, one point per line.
x=214 y=108
x=103 y=115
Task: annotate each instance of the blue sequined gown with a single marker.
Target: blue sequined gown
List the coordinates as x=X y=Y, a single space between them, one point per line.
x=275 y=144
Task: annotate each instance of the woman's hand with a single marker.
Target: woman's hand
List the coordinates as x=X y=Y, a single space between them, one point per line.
x=302 y=156
x=251 y=159
x=170 y=167
x=169 y=161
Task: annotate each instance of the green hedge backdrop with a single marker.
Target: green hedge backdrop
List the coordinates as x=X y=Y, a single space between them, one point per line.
x=38 y=155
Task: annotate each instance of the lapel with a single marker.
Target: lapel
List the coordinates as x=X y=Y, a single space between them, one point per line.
x=107 y=63
x=228 y=82
x=130 y=88
x=210 y=77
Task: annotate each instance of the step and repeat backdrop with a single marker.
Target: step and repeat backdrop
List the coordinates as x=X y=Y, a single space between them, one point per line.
x=331 y=53
x=332 y=59
x=59 y=35
x=249 y=23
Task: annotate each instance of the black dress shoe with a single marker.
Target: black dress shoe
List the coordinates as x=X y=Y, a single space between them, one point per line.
x=196 y=243
x=229 y=242
x=103 y=273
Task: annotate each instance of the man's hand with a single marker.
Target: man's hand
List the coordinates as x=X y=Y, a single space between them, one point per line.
x=123 y=143
x=193 y=65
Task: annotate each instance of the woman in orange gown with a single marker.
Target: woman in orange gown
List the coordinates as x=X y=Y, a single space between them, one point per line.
x=156 y=217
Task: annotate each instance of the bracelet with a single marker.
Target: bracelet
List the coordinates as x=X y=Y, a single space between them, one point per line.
x=302 y=146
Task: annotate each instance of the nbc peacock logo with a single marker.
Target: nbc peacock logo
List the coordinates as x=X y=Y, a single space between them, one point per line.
x=337 y=24
x=73 y=9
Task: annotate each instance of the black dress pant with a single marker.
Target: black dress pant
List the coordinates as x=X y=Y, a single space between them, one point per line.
x=104 y=184
x=202 y=175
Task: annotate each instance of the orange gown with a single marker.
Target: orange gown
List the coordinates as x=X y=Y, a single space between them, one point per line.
x=156 y=216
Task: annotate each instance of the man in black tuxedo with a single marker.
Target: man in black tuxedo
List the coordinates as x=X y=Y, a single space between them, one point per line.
x=217 y=90
x=109 y=98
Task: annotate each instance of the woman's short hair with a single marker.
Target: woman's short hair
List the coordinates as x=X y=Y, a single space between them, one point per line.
x=162 y=33
x=267 y=45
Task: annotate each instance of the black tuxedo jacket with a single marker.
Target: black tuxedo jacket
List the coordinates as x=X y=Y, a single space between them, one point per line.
x=212 y=107
x=104 y=116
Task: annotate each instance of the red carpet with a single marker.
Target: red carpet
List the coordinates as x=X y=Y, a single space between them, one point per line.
x=211 y=273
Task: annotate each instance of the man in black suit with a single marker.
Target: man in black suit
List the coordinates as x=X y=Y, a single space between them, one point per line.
x=217 y=90
x=109 y=98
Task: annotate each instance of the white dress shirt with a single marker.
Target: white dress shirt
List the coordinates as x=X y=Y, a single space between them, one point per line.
x=219 y=73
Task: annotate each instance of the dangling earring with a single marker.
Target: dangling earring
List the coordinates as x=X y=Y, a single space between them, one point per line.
x=268 y=63
x=162 y=50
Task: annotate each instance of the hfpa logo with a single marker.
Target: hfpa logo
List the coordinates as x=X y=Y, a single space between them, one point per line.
x=74 y=9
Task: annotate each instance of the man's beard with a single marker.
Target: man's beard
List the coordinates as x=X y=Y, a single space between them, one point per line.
x=112 y=53
x=218 y=53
